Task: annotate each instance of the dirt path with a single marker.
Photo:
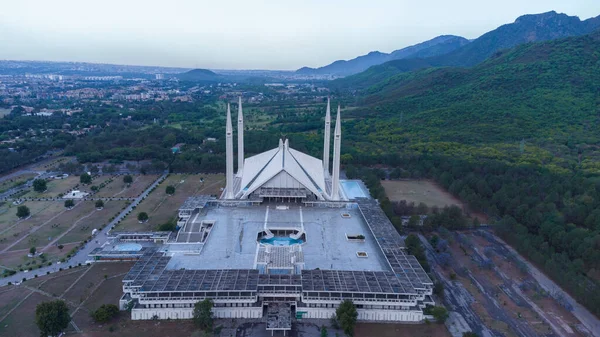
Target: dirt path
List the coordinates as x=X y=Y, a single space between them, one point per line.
x=15 y=307
x=126 y=187
x=75 y=282
x=68 y=230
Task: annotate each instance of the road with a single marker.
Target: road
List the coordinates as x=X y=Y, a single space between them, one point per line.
x=82 y=255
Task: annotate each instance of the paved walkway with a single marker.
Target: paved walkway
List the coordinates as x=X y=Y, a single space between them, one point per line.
x=82 y=255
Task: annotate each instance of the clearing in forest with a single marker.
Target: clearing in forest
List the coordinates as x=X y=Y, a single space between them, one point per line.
x=418 y=191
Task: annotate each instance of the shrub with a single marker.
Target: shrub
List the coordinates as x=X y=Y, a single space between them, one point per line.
x=105 y=313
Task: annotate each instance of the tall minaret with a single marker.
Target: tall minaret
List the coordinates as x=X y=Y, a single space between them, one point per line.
x=327 y=137
x=240 y=138
x=229 y=155
x=337 y=142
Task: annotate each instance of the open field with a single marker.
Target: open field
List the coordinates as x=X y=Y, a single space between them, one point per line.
x=20 y=322
x=18 y=259
x=83 y=288
x=10 y=297
x=161 y=207
x=493 y=291
x=83 y=227
x=54 y=188
x=51 y=223
x=418 y=191
x=117 y=188
x=4 y=112
x=394 y=330
x=73 y=225
x=13 y=229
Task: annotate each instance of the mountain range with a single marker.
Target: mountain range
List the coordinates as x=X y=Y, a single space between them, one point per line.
x=451 y=50
x=437 y=46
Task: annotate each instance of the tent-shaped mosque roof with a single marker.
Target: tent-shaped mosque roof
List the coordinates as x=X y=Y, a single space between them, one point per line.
x=283 y=167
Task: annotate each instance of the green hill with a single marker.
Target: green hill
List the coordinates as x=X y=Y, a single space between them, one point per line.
x=200 y=75
x=515 y=137
x=545 y=90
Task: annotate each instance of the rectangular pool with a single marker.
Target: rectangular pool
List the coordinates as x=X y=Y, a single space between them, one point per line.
x=353 y=189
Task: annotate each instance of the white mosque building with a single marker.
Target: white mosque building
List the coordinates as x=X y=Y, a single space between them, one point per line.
x=283 y=173
x=286 y=241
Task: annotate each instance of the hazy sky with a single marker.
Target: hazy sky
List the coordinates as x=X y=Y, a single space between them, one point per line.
x=224 y=34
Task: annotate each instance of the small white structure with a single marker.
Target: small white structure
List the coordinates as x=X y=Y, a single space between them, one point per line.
x=76 y=194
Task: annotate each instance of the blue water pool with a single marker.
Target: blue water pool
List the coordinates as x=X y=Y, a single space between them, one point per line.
x=281 y=241
x=128 y=247
x=353 y=189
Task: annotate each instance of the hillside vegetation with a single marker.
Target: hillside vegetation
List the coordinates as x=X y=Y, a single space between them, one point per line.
x=542 y=94
x=515 y=137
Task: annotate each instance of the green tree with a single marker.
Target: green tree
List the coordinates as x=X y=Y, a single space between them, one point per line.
x=203 y=315
x=414 y=221
x=440 y=314
x=142 y=217
x=32 y=250
x=346 y=316
x=438 y=289
x=170 y=190
x=470 y=334
x=324 y=332
x=434 y=241
x=105 y=313
x=23 y=211
x=94 y=169
x=128 y=179
x=85 y=178
x=167 y=227
x=99 y=204
x=69 y=203
x=39 y=185
x=52 y=317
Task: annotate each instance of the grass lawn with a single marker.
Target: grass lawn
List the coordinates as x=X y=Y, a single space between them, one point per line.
x=393 y=330
x=84 y=226
x=418 y=191
x=117 y=188
x=161 y=207
x=92 y=289
x=54 y=188
x=20 y=322
x=13 y=229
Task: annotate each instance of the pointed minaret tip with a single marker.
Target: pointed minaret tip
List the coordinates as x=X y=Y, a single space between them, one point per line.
x=240 y=129
x=338 y=126
x=327 y=136
x=229 y=127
